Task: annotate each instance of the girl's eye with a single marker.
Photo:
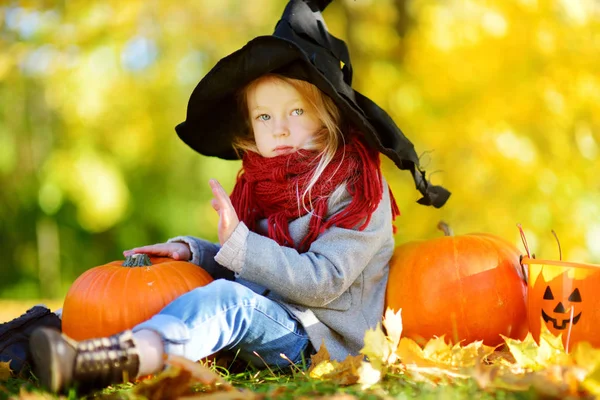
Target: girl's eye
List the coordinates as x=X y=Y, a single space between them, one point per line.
x=298 y=111
x=263 y=117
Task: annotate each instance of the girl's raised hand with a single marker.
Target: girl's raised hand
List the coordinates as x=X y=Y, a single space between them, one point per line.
x=228 y=218
x=176 y=250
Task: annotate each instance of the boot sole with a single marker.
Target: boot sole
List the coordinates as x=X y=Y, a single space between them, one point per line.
x=46 y=364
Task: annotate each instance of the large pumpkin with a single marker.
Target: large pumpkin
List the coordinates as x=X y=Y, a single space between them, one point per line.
x=469 y=287
x=116 y=296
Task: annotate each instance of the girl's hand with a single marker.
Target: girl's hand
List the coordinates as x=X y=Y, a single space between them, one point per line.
x=228 y=219
x=176 y=250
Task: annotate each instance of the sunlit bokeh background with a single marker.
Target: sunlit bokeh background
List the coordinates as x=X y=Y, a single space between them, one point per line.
x=501 y=99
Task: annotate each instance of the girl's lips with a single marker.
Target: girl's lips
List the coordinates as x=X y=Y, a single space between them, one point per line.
x=283 y=149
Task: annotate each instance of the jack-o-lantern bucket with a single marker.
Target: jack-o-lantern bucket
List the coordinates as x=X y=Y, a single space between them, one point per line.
x=564 y=296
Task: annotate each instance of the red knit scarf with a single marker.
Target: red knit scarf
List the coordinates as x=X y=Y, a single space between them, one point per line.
x=270 y=188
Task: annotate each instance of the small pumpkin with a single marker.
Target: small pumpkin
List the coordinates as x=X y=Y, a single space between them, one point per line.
x=563 y=296
x=116 y=296
x=468 y=287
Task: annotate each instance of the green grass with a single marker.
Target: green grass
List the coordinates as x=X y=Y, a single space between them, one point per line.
x=267 y=384
x=392 y=387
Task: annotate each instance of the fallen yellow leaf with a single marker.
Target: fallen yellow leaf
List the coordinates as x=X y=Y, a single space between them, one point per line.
x=5 y=371
x=529 y=355
x=378 y=348
x=367 y=375
x=179 y=379
x=199 y=372
x=321 y=356
x=323 y=368
x=411 y=353
x=341 y=373
x=170 y=384
x=392 y=323
x=437 y=352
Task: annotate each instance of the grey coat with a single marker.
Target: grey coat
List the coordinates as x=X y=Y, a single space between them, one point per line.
x=336 y=289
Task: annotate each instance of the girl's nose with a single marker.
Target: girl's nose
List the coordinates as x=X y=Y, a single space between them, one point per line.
x=281 y=129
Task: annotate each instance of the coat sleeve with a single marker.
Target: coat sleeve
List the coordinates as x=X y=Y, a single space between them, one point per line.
x=203 y=254
x=320 y=275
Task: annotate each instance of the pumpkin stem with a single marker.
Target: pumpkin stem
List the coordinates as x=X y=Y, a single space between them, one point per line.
x=444 y=227
x=558 y=242
x=137 y=260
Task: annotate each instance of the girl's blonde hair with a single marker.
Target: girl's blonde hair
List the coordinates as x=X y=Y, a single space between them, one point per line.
x=326 y=141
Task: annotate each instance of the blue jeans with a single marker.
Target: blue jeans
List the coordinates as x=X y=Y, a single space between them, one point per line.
x=225 y=315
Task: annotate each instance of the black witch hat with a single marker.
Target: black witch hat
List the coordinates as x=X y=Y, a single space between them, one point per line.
x=300 y=48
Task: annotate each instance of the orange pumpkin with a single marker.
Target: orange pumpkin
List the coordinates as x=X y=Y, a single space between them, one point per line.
x=563 y=296
x=116 y=296
x=469 y=287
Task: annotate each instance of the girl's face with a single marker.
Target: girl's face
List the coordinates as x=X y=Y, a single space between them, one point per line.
x=282 y=121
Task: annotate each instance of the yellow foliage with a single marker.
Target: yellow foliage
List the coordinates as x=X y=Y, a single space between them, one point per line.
x=530 y=355
x=501 y=94
x=180 y=380
x=437 y=352
x=342 y=373
x=5 y=371
x=319 y=357
x=500 y=98
x=545 y=368
x=380 y=347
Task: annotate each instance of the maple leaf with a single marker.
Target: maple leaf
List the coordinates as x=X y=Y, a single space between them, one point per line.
x=392 y=322
x=411 y=353
x=346 y=372
x=588 y=358
x=554 y=381
x=367 y=375
x=439 y=361
x=592 y=382
x=170 y=384
x=199 y=372
x=529 y=355
x=380 y=348
x=437 y=352
x=471 y=354
x=501 y=356
x=341 y=373
x=321 y=356
x=5 y=371
x=546 y=368
x=179 y=379
x=377 y=348
x=323 y=368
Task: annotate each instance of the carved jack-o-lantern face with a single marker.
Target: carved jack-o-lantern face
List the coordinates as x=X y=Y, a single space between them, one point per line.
x=562 y=315
x=560 y=298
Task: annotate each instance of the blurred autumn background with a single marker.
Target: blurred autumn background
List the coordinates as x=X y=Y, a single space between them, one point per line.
x=500 y=98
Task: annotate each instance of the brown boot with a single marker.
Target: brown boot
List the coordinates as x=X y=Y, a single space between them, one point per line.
x=61 y=362
x=14 y=336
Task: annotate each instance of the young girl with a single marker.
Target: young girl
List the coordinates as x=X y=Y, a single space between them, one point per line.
x=305 y=238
